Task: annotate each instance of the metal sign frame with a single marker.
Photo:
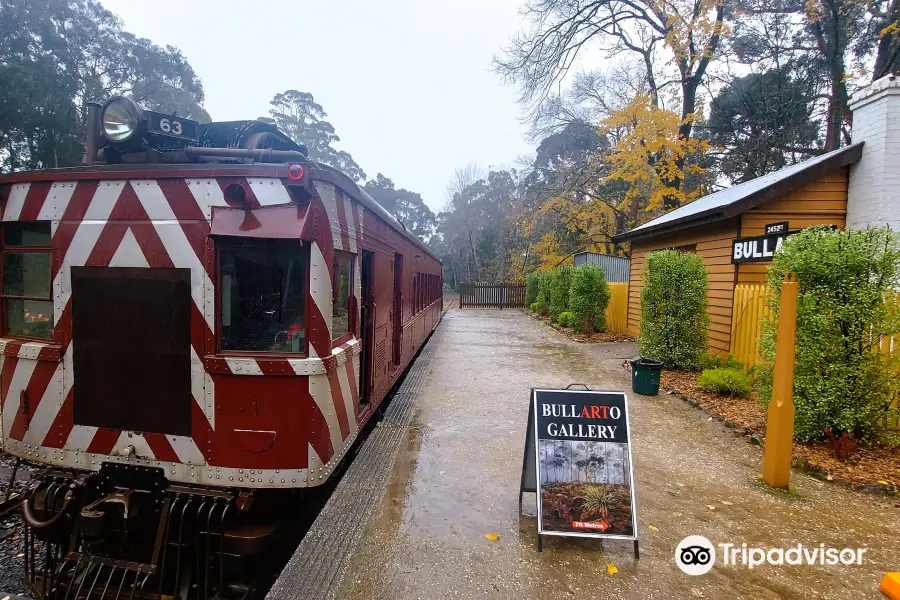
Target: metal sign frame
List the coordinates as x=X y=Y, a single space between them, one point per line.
x=531 y=437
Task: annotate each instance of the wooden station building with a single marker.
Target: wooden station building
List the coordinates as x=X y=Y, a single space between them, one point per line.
x=737 y=230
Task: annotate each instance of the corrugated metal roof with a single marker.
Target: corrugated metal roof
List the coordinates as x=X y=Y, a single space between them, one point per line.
x=719 y=202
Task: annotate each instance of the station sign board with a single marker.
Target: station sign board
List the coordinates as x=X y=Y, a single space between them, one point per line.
x=578 y=462
x=760 y=248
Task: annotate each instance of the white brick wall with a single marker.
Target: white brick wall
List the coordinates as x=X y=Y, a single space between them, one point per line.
x=874 y=188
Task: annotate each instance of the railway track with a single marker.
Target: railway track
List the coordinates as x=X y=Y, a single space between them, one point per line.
x=10 y=504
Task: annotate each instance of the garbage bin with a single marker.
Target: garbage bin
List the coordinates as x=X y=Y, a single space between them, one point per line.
x=645 y=375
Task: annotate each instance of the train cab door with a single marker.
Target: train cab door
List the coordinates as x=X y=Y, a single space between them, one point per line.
x=367 y=332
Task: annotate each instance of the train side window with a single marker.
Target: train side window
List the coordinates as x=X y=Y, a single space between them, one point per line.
x=26 y=280
x=262 y=294
x=415 y=293
x=341 y=287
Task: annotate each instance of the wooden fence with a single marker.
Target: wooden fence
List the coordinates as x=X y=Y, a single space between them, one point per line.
x=492 y=295
x=748 y=311
x=617 y=309
x=750 y=308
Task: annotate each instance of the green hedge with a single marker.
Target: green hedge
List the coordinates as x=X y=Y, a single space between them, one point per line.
x=588 y=298
x=560 y=284
x=673 y=309
x=531 y=289
x=841 y=382
x=564 y=318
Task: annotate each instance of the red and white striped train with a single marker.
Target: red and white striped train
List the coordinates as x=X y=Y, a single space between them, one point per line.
x=201 y=329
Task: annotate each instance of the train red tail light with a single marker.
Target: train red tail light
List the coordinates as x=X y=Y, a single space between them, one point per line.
x=295 y=172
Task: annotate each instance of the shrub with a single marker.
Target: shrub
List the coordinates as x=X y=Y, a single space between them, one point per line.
x=588 y=299
x=531 y=289
x=564 y=318
x=842 y=383
x=731 y=382
x=708 y=361
x=543 y=294
x=843 y=445
x=673 y=309
x=560 y=284
x=534 y=307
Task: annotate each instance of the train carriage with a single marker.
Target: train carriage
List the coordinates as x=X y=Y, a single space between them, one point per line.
x=195 y=327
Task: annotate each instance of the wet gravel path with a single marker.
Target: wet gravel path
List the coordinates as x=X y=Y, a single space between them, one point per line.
x=458 y=471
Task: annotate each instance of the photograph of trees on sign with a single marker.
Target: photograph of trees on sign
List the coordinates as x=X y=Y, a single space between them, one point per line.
x=585 y=487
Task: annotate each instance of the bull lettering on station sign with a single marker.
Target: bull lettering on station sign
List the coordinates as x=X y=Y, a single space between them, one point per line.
x=761 y=248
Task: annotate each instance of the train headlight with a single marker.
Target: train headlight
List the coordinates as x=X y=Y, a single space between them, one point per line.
x=120 y=118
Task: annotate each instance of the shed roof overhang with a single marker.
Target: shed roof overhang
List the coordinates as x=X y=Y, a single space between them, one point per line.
x=730 y=202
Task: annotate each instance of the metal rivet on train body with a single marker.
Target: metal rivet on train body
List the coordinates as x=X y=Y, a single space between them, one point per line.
x=295 y=481
x=240 y=478
x=240 y=471
x=282 y=481
x=231 y=479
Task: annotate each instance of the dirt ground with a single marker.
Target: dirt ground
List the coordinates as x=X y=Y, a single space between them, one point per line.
x=458 y=476
x=866 y=467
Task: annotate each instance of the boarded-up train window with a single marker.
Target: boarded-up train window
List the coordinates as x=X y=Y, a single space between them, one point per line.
x=131 y=341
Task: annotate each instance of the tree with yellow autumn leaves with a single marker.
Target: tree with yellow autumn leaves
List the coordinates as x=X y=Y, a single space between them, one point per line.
x=636 y=111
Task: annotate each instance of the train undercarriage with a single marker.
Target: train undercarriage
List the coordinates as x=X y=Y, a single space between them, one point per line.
x=125 y=532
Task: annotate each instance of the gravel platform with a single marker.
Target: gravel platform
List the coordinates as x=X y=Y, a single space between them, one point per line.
x=318 y=566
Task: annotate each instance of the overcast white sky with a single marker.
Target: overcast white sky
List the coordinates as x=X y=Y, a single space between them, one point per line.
x=407 y=84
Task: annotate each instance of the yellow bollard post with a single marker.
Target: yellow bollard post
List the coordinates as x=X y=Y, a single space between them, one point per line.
x=780 y=425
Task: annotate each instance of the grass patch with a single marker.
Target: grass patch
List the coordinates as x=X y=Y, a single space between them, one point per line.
x=791 y=492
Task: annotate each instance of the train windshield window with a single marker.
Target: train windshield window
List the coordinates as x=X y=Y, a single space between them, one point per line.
x=26 y=280
x=341 y=288
x=262 y=294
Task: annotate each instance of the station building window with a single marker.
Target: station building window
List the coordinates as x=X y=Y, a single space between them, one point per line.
x=262 y=294
x=342 y=287
x=28 y=306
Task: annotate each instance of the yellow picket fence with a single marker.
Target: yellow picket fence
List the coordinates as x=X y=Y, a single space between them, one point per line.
x=750 y=308
x=617 y=310
x=746 y=322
